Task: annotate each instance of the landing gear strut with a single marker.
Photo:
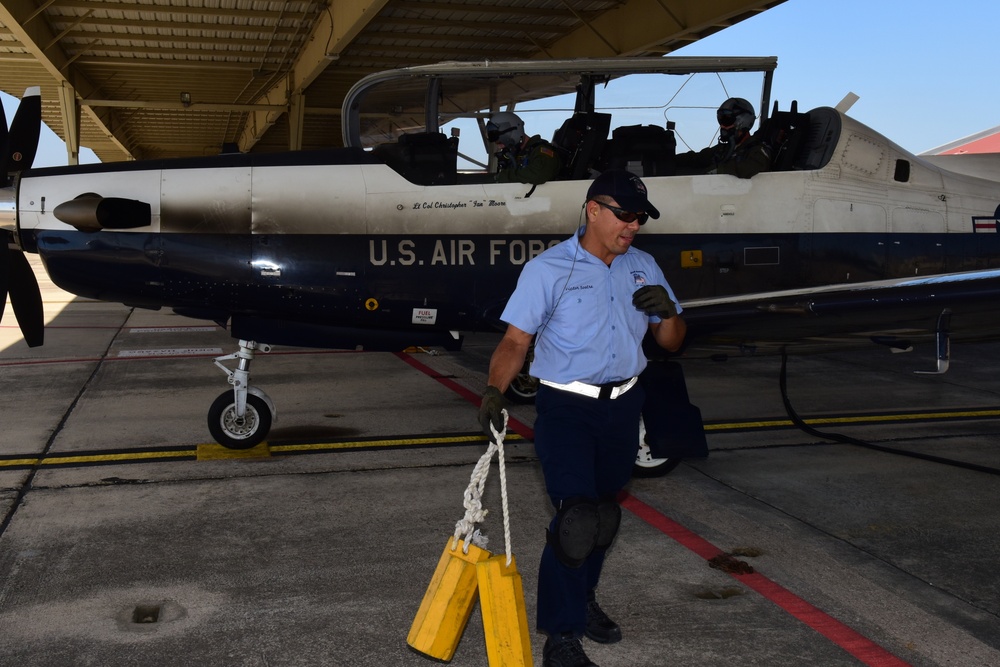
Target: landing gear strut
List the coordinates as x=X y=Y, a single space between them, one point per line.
x=241 y=418
x=943 y=339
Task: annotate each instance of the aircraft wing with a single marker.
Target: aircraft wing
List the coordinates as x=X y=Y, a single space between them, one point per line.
x=890 y=312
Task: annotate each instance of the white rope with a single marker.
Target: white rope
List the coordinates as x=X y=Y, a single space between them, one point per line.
x=465 y=528
x=503 y=485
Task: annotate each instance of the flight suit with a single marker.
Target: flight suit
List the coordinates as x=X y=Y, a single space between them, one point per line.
x=535 y=163
x=751 y=156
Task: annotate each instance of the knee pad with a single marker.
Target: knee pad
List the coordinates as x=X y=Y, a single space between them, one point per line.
x=575 y=531
x=609 y=514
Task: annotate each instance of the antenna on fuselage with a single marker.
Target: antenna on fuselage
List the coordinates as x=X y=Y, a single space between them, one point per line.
x=847 y=102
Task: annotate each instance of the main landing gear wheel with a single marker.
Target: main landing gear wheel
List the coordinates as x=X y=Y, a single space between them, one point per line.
x=522 y=390
x=524 y=387
x=235 y=432
x=645 y=465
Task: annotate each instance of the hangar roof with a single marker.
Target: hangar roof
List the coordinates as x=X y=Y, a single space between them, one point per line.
x=987 y=141
x=165 y=78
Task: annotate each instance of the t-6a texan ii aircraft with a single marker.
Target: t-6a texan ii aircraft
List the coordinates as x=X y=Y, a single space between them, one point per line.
x=403 y=236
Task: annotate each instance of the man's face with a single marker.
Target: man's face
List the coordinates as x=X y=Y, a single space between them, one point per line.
x=607 y=236
x=503 y=144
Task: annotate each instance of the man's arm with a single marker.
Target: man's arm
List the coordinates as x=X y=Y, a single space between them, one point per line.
x=505 y=364
x=748 y=163
x=669 y=333
x=541 y=164
x=508 y=358
x=656 y=300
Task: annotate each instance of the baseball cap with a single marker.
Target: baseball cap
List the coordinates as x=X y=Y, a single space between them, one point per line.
x=626 y=188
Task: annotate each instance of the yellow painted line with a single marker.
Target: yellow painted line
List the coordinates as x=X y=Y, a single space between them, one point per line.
x=748 y=425
x=393 y=442
x=122 y=456
x=18 y=462
x=859 y=419
x=214 y=452
x=83 y=459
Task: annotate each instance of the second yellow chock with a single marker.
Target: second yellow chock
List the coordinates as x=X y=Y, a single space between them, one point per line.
x=505 y=620
x=448 y=601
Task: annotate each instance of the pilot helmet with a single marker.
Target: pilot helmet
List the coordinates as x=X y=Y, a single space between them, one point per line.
x=736 y=114
x=506 y=128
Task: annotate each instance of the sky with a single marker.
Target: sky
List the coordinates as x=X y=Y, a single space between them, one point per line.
x=925 y=71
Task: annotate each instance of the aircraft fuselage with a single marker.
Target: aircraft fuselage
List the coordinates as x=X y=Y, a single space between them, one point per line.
x=336 y=239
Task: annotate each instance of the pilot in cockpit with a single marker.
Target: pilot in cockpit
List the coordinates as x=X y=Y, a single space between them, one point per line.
x=521 y=159
x=738 y=152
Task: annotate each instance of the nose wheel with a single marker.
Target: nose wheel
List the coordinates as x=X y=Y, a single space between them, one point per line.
x=241 y=418
x=235 y=431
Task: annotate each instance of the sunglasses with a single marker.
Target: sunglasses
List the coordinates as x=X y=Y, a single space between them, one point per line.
x=623 y=215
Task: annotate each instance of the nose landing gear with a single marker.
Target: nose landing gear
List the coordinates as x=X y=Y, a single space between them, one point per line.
x=241 y=418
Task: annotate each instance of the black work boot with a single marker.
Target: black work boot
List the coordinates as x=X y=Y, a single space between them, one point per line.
x=600 y=628
x=564 y=651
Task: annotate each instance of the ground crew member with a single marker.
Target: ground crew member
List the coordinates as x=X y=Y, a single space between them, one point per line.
x=587 y=302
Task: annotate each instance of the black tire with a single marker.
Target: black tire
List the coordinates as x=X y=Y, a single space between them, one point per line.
x=235 y=434
x=658 y=469
x=522 y=390
x=645 y=465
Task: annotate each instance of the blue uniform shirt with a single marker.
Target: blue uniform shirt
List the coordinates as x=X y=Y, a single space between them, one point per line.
x=581 y=310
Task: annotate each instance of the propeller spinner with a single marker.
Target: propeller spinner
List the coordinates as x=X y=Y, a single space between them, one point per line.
x=17 y=280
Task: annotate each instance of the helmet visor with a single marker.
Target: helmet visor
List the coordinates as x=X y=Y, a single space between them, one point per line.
x=726 y=117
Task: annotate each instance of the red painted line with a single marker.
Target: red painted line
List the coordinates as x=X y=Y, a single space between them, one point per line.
x=840 y=634
x=859 y=646
x=514 y=425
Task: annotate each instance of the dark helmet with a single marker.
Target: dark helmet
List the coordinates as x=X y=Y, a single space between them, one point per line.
x=736 y=114
x=506 y=128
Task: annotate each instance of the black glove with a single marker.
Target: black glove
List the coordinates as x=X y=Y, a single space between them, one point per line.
x=654 y=300
x=505 y=159
x=491 y=411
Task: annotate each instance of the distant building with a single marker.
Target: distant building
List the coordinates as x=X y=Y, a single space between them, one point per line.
x=987 y=141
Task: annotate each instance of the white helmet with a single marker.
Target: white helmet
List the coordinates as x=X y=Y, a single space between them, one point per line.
x=506 y=128
x=736 y=114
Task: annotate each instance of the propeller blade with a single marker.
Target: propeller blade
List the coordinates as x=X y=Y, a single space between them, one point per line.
x=26 y=299
x=3 y=144
x=24 y=131
x=18 y=281
x=4 y=271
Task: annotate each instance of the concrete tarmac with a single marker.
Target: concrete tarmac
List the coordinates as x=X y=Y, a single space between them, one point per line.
x=129 y=539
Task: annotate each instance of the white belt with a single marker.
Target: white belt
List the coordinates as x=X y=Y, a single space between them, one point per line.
x=610 y=390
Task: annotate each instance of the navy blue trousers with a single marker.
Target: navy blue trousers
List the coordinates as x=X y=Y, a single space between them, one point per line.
x=587 y=448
